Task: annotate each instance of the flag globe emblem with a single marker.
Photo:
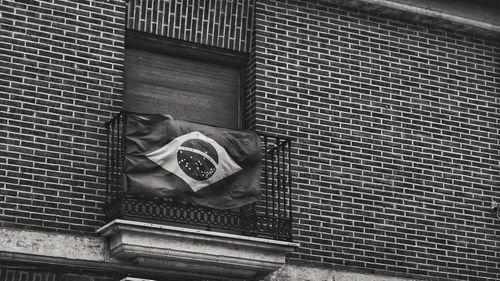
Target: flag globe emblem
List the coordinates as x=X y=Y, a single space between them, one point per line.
x=195 y=158
x=198 y=159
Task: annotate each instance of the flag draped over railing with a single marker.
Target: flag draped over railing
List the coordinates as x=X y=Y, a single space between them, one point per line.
x=205 y=165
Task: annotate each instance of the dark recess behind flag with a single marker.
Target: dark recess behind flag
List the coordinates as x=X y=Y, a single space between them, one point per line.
x=148 y=132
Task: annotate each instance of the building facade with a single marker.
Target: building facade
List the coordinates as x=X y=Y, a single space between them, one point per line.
x=392 y=108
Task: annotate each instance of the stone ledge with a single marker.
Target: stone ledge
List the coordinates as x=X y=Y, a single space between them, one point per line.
x=195 y=252
x=74 y=252
x=47 y=245
x=433 y=15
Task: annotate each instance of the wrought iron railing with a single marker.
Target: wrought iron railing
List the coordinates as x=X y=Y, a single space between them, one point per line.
x=270 y=217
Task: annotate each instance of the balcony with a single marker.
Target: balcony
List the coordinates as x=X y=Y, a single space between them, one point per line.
x=239 y=243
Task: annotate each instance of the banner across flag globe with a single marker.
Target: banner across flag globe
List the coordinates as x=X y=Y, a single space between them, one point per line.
x=204 y=165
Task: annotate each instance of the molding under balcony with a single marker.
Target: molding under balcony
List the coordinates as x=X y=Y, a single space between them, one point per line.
x=193 y=252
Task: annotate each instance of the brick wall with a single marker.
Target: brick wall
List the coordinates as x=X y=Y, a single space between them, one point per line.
x=219 y=23
x=397 y=138
x=60 y=79
x=396 y=123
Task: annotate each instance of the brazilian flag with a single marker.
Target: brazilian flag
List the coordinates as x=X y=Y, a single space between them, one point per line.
x=205 y=165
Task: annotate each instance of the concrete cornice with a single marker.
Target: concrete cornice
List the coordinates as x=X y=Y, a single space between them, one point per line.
x=429 y=12
x=212 y=254
x=434 y=13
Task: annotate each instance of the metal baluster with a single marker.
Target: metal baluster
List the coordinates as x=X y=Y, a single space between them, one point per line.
x=266 y=175
x=283 y=177
x=112 y=157
x=107 y=163
x=122 y=154
x=119 y=135
x=283 y=186
x=290 y=216
x=278 y=176
x=273 y=183
x=118 y=152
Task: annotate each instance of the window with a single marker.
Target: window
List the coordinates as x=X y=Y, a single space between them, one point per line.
x=189 y=82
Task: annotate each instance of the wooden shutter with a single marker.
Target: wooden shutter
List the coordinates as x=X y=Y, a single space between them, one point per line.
x=187 y=89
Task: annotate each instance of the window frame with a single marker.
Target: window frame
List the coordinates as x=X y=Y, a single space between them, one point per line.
x=194 y=51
